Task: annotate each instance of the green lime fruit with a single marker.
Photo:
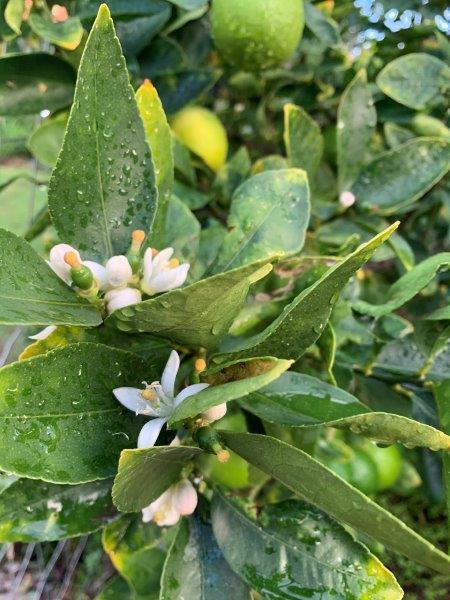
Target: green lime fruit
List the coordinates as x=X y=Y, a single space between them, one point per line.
x=203 y=133
x=257 y=34
x=388 y=462
x=233 y=474
x=363 y=472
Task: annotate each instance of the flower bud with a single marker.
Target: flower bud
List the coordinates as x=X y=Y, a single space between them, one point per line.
x=118 y=271
x=215 y=413
x=184 y=498
x=80 y=274
x=209 y=440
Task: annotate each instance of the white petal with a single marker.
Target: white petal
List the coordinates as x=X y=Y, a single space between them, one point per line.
x=163 y=257
x=181 y=275
x=169 y=374
x=119 y=298
x=215 y=413
x=147 y=514
x=118 y=271
x=347 y=199
x=163 y=281
x=98 y=271
x=167 y=518
x=148 y=264
x=184 y=497
x=42 y=335
x=190 y=390
x=132 y=399
x=57 y=263
x=149 y=433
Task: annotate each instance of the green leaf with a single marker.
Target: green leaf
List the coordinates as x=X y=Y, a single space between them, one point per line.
x=196 y=568
x=269 y=215
x=66 y=34
x=326 y=29
x=296 y=400
x=144 y=474
x=136 y=550
x=91 y=209
x=182 y=231
x=406 y=287
x=303 y=320
x=356 y=121
x=245 y=378
x=198 y=315
x=327 y=345
x=442 y=395
x=210 y=241
x=159 y=138
x=317 y=484
x=396 y=135
x=116 y=587
x=60 y=421
x=294 y=550
x=31 y=294
x=417 y=80
x=303 y=140
x=399 y=177
x=33 y=511
x=13 y=14
x=178 y=89
x=30 y=83
x=45 y=142
x=17 y=186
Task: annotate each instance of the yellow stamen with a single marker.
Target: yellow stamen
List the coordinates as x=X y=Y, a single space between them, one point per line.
x=173 y=262
x=137 y=237
x=200 y=365
x=158 y=516
x=149 y=395
x=72 y=259
x=155 y=251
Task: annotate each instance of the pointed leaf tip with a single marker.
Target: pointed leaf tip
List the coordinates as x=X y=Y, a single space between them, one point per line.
x=104 y=13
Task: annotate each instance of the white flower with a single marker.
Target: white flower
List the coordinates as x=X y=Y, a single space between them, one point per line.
x=178 y=500
x=161 y=272
x=347 y=199
x=215 y=413
x=157 y=400
x=42 y=335
x=112 y=278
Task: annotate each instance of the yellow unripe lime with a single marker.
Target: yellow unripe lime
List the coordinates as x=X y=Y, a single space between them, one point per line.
x=202 y=132
x=257 y=34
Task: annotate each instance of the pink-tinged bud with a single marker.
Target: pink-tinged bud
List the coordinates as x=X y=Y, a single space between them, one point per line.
x=184 y=499
x=347 y=199
x=59 y=13
x=215 y=413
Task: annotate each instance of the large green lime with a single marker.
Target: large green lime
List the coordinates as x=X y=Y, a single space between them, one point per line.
x=257 y=34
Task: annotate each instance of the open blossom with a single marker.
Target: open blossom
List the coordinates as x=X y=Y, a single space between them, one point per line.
x=178 y=500
x=162 y=272
x=113 y=278
x=158 y=401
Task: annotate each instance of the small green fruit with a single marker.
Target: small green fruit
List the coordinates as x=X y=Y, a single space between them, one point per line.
x=257 y=34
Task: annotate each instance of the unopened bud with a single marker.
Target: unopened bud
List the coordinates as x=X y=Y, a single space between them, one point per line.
x=134 y=253
x=137 y=238
x=209 y=440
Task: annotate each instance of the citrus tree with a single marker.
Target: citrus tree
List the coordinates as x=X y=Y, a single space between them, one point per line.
x=237 y=291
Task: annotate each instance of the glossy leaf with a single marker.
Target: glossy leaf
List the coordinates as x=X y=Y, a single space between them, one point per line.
x=30 y=83
x=159 y=138
x=356 y=123
x=303 y=140
x=137 y=551
x=269 y=215
x=399 y=177
x=90 y=209
x=182 y=231
x=303 y=320
x=178 y=89
x=116 y=587
x=197 y=315
x=294 y=550
x=60 y=420
x=31 y=294
x=296 y=400
x=325 y=28
x=144 y=474
x=243 y=378
x=416 y=80
x=66 y=34
x=442 y=395
x=13 y=14
x=32 y=511
x=407 y=286
x=196 y=568
x=317 y=484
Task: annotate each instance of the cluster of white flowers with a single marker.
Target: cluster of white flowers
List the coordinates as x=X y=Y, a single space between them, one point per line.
x=158 y=272
x=158 y=401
